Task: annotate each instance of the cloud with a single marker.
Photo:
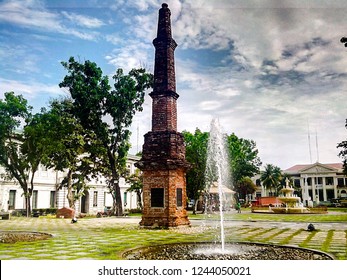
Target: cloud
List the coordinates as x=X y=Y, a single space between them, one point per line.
x=33 y=14
x=30 y=91
x=83 y=21
x=265 y=68
x=210 y=105
x=131 y=54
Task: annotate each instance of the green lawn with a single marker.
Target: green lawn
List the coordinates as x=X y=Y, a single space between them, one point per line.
x=108 y=238
x=333 y=215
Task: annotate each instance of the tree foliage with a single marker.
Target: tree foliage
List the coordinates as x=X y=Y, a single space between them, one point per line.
x=244 y=159
x=196 y=155
x=243 y=156
x=271 y=177
x=68 y=141
x=343 y=153
x=108 y=113
x=244 y=187
x=20 y=152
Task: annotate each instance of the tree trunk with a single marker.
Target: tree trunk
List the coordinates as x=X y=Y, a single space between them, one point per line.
x=70 y=196
x=119 y=206
x=139 y=199
x=27 y=204
x=116 y=194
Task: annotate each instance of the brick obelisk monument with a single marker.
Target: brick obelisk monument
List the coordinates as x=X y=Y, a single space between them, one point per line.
x=163 y=155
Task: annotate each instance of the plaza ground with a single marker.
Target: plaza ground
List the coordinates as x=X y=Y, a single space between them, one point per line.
x=108 y=238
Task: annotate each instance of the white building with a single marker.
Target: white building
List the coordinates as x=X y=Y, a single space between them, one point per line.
x=47 y=195
x=318 y=182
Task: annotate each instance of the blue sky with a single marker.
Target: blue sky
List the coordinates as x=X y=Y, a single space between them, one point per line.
x=269 y=70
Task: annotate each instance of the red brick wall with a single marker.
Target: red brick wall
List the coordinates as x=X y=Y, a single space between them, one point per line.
x=169 y=215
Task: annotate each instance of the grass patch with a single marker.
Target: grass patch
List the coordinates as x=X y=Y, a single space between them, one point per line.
x=290 y=237
x=249 y=216
x=108 y=238
x=308 y=239
x=328 y=239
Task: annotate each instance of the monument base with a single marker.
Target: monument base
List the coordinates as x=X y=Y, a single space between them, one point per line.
x=164 y=198
x=164 y=222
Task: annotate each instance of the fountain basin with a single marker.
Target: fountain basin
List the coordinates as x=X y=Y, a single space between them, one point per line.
x=22 y=236
x=232 y=251
x=290 y=210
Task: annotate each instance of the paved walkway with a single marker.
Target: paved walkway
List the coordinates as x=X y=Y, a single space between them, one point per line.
x=106 y=238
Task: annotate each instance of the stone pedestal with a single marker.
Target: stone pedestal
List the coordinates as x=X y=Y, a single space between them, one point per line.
x=167 y=187
x=164 y=180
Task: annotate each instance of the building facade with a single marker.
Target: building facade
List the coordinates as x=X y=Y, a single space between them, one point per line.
x=318 y=182
x=47 y=195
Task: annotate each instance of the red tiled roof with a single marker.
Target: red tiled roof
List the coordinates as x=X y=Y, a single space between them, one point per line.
x=299 y=167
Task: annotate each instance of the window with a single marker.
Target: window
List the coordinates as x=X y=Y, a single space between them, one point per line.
x=319 y=180
x=157 y=197
x=340 y=182
x=95 y=199
x=125 y=199
x=329 y=181
x=12 y=200
x=179 y=197
x=35 y=194
x=297 y=182
x=52 y=199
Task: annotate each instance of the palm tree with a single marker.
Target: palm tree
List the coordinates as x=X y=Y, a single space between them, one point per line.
x=271 y=177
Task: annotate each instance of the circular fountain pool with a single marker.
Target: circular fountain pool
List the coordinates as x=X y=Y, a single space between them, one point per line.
x=232 y=251
x=22 y=236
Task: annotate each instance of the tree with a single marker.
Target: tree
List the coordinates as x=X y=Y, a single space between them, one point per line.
x=343 y=153
x=196 y=155
x=108 y=113
x=67 y=144
x=271 y=177
x=244 y=187
x=20 y=152
x=243 y=156
x=244 y=159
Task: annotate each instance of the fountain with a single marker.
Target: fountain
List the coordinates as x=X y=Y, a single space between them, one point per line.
x=217 y=174
x=217 y=178
x=292 y=203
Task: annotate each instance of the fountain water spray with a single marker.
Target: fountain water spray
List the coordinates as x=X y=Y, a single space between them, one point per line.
x=217 y=171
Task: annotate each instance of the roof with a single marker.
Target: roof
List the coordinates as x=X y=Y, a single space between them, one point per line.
x=299 y=167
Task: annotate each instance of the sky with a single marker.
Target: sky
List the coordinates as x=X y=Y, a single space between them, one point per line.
x=271 y=71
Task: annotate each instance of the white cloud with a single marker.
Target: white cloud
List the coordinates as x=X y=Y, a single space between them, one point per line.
x=133 y=55
x=279 y=65
x=32 y=14
x=30 y=91
x=210 y=105
x=84 y=21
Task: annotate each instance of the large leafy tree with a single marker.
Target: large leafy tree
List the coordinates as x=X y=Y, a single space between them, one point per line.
x=343 y=153
x=23 y=144
x=108 y=112
x=196 y=155
x=244 y=159
x=271 y=177
x=68 y=141
x=244 y=187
